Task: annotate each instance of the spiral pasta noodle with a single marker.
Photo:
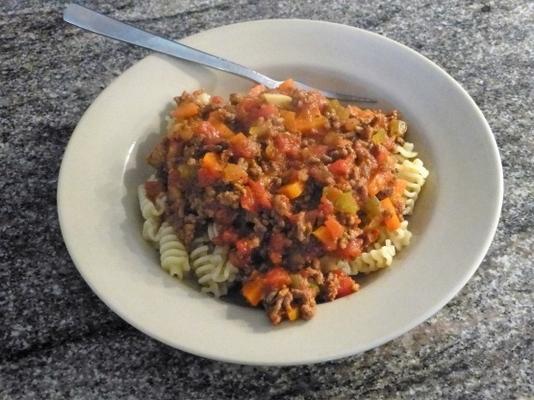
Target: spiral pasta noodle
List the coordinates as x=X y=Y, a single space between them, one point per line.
x=406 y=151
x=173 y=254
x=373 y=260
x=151 y=213
x=400 y=237
x=415 y=174
x=214 y=271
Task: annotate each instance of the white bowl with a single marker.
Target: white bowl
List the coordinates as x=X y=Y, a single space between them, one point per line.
x=453 y=223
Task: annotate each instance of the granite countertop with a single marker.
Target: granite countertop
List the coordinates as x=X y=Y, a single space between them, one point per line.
x=57 y=340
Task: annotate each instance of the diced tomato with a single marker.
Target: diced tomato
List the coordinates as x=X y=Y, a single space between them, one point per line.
x=261 y=195
x=287 y=144
x=326 y=207
x=207 y=177
x=224 y=215
x=372 y=234
x=277 y=244
x=346 y=284
x=340 y=167
x=244 y=248
x=353 y=250
x=318 y=150
x=276 y=278
x=227 y=237
x=208 y=133
x=242 y=146
x=252 y=108
x=247 y=200
x=173 y=178
x=217 y=101
x=153 y=189
x=380 y=153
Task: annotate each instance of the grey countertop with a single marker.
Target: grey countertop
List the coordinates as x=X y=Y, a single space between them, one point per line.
x=57 y=340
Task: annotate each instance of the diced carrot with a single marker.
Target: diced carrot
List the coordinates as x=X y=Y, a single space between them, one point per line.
x=323 y=235
x=211 y=161
x=334 y=227
x=289 y=120
x=186 y=110
x=391 y=220
x=287 y=85
x=292 y=313
x=234 y=173
x=306 y=125
x=253 y=291
x=292 y=190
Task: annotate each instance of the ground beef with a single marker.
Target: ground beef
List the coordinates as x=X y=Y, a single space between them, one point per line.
x=331 y=287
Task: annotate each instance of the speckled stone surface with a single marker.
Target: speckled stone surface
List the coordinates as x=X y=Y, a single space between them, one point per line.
x=57 y=340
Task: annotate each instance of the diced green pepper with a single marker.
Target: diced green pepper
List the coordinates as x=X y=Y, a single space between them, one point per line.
x=341 y=112
x=346 y=203
x=186 y=172
x=379 y=137
x=372 y=207
x=397 y=127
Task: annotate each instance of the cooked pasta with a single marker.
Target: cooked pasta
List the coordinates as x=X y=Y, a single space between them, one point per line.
x=400 y=237
x=213 y=270
x=406 y=150
x=173 y=254
x=151 y=212
x=373 y=260
x=415 y=174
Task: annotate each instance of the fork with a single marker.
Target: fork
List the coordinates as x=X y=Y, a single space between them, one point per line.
x=103 y=25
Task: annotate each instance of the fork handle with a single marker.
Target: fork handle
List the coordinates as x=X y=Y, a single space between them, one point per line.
x=98 y=23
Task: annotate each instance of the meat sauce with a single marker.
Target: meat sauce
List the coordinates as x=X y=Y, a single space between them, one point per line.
x=290 y=179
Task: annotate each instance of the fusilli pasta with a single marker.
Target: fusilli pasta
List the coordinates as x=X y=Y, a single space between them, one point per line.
x=378 y=258
x=151 y=213
x=415 y=174
x=213 y=270
x=173 y=254
x=406 y=150
x=400 y=237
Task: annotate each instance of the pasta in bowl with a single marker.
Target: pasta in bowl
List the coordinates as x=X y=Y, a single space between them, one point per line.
x=282 y=195
x=452 y=224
